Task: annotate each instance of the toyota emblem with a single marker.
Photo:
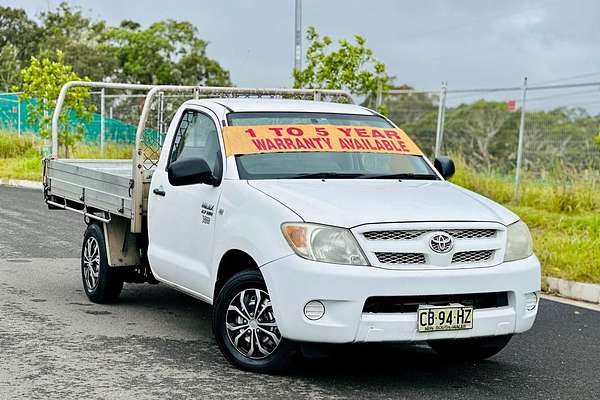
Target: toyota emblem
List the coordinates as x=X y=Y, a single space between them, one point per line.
x=441 y=242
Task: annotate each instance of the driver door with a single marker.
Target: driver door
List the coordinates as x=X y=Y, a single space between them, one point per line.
x=181 y=219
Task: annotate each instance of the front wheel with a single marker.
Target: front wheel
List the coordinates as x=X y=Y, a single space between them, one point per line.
x=102 y=284
x=472 y=349
x=245 y=328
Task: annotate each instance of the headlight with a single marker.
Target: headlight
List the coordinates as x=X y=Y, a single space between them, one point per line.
x=518 y=243
x=323 y=243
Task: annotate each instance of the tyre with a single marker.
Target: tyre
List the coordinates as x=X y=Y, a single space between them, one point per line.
x=245 y=328
x=102 y=284
x=472 y=349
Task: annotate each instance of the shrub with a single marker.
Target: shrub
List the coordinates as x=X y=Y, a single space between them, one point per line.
x=12 y=146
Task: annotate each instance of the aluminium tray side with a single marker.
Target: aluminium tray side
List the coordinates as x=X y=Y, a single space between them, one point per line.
x=101 y=184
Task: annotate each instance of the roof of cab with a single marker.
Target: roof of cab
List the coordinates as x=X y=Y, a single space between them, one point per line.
x=284 y=105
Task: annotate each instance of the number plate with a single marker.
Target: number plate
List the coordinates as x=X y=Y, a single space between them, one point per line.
x=451 y=318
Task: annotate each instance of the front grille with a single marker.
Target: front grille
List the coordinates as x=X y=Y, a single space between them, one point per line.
x=472 y=256
x=471 y=233
x=401 y=258
x=410 y=304
x=393 y=235
x=413 y=234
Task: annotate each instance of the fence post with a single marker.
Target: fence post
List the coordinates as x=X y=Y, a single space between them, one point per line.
x=520 y=145
x=162 y=112
x=440 y=120
x=102 y=112
x=19 y=115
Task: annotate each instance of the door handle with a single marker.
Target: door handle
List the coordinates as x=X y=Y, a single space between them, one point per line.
x=159 y=191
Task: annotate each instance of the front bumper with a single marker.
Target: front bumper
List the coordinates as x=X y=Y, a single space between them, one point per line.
x=293 y=281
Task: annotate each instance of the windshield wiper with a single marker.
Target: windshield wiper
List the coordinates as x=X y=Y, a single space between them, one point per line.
x=325 y=175
x=407 y=176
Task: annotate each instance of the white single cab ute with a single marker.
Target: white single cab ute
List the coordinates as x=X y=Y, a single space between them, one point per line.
x=300 y=221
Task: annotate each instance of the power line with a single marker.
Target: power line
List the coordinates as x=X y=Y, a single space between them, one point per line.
x=562 y=95
x=570 y=78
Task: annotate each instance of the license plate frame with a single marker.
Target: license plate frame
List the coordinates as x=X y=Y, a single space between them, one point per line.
x=444 y=318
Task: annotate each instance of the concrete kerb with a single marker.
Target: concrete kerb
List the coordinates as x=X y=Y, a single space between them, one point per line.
x=587 y=292
x=21 y=183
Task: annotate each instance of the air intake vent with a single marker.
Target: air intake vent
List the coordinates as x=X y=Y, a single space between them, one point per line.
x=471 y=233
x=410 y=304
x=465 y=257
x=401 y=258
x=393 y=235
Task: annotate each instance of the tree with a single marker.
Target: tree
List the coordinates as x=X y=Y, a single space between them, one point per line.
x=79 y=39
x=167 y=52
x=559 y=136
x=18 y=30
x=415 y=113
x=9 y=67
x=351 y=67
x=42 y=82
x=477 y=130
x=405 y=108
x=18 y=42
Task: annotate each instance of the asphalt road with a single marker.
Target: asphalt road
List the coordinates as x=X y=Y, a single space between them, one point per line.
x=156 y=343
x=29 y=229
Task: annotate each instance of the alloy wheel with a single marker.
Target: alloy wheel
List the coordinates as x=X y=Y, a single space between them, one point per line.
x=251 y=325
x=91 y=263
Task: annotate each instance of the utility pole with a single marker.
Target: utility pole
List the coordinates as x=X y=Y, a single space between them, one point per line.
x=298 y=37
x=102 y=123
x=439 y=133
x=19 y=115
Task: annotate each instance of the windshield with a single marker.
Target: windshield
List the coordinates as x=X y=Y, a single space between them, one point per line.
x=324 y=164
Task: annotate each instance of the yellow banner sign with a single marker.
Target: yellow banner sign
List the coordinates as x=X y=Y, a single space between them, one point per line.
x=335 y=138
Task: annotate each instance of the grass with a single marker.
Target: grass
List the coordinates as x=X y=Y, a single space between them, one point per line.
x=20 y=156
x=563 y=213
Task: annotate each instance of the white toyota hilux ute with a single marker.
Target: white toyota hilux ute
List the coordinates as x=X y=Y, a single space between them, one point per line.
x=303 y=222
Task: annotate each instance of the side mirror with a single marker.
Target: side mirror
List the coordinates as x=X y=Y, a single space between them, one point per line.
x=445 y=166
x=190 y=171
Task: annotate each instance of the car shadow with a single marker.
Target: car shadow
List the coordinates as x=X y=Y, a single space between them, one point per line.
x=527 y=367
x=400 y=364
x=354 y=367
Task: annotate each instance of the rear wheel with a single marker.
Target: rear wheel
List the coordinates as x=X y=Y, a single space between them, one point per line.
x=471 y=349
x=245 y=328
x=102 y=284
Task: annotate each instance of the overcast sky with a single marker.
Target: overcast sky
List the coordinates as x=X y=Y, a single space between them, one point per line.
x=478 y=43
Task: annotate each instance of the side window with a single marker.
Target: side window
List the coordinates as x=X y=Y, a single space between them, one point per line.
x=197 y=137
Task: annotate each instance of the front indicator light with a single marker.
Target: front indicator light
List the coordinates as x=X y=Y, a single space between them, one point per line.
x=531 y=301
x=314 y=310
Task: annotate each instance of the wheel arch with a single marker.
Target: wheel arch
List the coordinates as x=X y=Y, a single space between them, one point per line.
x=232 y=262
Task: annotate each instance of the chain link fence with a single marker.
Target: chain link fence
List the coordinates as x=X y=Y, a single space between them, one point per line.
x=115 y=113
x=537 y=130
x=481 y=126
x=12 y=113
